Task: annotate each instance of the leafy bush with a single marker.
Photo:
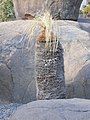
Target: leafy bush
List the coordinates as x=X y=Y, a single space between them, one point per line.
x=6 y=10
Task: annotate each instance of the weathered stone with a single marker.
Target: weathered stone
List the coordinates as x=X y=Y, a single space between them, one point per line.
x=22 y=66
x=59 y=9
x=70 y=109
x=14 y=54
x=50 y=71
x=26 y=6
x=6 y=84
x=76 y=57
x=82 y=82
x=20 y=61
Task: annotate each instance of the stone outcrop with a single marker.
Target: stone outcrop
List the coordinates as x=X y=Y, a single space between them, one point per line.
x=70 y=109
x=59 y=9
x=17 y=60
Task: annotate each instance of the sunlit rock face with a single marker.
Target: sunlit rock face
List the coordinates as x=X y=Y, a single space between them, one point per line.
x=59 y=9
x=27 y=6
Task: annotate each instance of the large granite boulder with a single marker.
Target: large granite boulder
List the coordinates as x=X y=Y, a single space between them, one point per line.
x=17 y=59
x=70 y=109
x=19 y=63
x=59 y=9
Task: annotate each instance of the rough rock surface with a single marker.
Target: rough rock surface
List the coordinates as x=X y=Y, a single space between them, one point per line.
x=17 y=61
x=70 y=109
x=50 y=71
x=6 y=84
x=60 y=9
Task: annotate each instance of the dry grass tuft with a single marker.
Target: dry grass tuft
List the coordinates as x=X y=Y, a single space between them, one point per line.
x=46 y=23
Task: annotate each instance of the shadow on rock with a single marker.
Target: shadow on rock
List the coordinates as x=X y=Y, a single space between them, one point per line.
x=80 y=88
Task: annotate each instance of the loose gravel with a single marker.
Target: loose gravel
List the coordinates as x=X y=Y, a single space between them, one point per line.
x=7 y=110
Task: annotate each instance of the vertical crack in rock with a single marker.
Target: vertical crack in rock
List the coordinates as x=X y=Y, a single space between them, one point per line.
x=50 y=72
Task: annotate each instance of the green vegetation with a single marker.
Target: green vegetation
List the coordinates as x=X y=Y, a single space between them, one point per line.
x=6 y=10
x=85 y=10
